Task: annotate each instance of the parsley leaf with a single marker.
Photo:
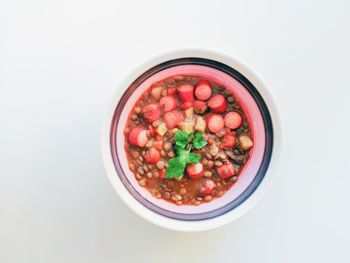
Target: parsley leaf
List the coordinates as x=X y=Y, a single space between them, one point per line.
x=178 y=164
x=182 y=138
x=197 y=141
x=181 y=151
x=176 y=168
x=194 y=158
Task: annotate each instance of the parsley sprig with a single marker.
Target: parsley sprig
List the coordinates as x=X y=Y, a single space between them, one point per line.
x=184 y=156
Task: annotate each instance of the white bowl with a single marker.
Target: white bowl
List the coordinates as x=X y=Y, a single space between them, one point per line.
x=239 y=199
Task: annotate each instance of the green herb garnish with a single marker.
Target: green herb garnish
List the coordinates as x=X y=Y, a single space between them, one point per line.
x=197 y=141
x=184 y=156
x=182 y=138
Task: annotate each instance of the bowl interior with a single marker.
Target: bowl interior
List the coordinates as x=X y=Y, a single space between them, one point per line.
x=254 y=108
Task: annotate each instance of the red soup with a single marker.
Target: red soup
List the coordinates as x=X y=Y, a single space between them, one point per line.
x=187 y=140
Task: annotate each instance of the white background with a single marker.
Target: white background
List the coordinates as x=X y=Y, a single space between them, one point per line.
x=60 y=63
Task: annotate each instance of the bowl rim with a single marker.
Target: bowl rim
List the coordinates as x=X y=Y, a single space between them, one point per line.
x=200 y=225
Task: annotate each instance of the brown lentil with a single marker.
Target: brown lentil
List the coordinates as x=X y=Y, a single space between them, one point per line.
x=166 y=195
x=230 y=99
x=145 y=167
x=207 y=198
x=223 y=156
x=135 y=154
x=221 y=88
x=183 y=191
x=142 y=182
x=210 y=164
x=156 y=174
x=140 y=170
x=176 y=197
x=218 y=163
x=207 y=174
x=162 y=153
x=208 y=156
x=167 y=146
x=171 y=154
x=160 y=165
